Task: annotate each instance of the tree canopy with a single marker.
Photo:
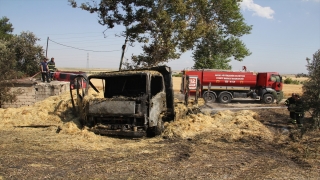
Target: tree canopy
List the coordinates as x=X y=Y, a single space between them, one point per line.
x=215 y=50
x=19 y=57
x=168 y=28
x=311 y=88
x=5 y=28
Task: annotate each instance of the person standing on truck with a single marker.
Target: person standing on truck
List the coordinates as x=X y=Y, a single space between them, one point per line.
x=52 y=68
x=299 y=112
x=290 y=103
x=44 y=70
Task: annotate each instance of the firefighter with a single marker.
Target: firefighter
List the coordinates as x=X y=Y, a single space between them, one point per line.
x=291 y=103
x=299 y=112
x=52 y=68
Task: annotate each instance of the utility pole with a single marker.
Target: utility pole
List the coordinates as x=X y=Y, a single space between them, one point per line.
x=47 y=47
x=123 y=48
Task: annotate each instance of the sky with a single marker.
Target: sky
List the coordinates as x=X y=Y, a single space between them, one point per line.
x=284 y=33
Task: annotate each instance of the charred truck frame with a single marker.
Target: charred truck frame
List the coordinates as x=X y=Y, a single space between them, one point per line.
x=135 y=103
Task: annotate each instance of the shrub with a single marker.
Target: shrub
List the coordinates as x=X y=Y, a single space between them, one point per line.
x=177 y=75
x=295 y=82
x=288 y=81
x=291 y=81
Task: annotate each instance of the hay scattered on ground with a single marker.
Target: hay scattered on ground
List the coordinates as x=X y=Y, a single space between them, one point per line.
x=56 y=111
x=227 y=125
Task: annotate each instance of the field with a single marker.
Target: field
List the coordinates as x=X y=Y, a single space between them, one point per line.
x=245 y=144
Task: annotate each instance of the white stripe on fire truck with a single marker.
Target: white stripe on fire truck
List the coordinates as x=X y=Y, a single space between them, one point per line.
x=227 y=87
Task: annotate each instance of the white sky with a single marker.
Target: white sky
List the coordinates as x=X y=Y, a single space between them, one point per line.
x=284 y=33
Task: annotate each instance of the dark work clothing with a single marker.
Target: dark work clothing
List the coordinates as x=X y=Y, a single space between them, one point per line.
x=52 y=65
x=299 y=117
x=299 y=111
x=292 y=115
x=290 y=103
x=45 y=77
x=52 y=68
x=299 y=106
x=44 y=66
x=45 y=71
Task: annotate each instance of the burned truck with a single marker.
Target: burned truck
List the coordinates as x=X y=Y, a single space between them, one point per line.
x=134 y=103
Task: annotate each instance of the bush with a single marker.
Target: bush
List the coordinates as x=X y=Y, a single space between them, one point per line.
x=177 y=75
x=291 y=81
x=295 y=82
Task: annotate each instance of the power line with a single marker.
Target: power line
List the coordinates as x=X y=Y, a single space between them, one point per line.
x=89 y=46
x=93 y=40
x=80 y=48
x=79 y=37
x=81 y=33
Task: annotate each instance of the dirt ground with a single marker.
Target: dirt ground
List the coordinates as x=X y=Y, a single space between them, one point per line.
x=229 y=144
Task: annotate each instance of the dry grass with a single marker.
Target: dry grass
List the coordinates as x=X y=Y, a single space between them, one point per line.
x=227 y=145
x=288 y=89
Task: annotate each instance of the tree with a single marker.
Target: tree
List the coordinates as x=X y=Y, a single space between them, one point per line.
x=311 y=88
x=214 y=51
x=167 y=28
x=28 y=54
x=7 y=64
x=19 y=57
x=5 y=28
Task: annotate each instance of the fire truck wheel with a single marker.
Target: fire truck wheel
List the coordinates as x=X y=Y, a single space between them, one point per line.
x=268 y=98
x=224 y=98
x=209 y=97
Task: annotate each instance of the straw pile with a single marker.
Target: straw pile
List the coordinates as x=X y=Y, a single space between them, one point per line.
x=56 y=111
x=53 y=111
x=227 y=125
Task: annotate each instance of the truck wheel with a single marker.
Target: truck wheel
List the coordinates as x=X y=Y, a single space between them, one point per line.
x=87 y=121
x=156 y=130
x=224 y=98
x=268 y=99
x=209 y=97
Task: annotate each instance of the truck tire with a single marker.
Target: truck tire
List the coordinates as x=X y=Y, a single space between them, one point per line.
x=209 y=97
x=224 y=98
x=156 y=130
x=268 y=98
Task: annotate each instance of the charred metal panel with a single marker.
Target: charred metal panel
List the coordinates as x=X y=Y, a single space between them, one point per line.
x=157 y=106
x=125 y=85
x=118 y=132
x=112 y=107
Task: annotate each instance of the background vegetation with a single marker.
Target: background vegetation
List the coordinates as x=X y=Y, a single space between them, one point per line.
x=311 y=88
x=19 y=57
x=166 y=29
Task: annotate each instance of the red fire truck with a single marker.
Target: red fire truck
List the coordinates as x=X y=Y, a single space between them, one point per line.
x=227 y=85
x=70 y=76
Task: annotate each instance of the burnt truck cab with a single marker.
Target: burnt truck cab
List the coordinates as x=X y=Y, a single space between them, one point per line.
x=134 y=103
